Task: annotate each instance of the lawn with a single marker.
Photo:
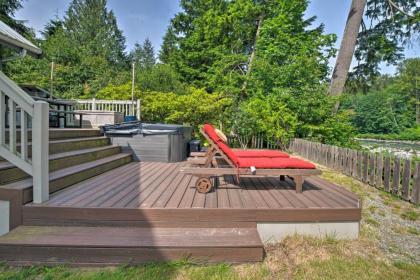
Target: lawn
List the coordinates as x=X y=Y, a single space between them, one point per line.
x=389 y=232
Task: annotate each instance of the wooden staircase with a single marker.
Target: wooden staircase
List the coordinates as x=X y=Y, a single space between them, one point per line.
x=75 y=156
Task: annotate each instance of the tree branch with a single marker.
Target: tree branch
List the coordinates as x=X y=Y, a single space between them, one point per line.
x=390 y=2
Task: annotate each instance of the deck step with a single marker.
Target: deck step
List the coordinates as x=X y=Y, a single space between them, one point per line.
x=63 y=178
x=72 y=144
x=28 y=245
x=10 y=173
x=63 y=133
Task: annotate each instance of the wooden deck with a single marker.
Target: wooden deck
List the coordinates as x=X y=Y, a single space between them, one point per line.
x=158 y=192
x=150 y=211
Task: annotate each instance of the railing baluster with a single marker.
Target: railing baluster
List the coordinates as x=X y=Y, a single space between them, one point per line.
x=23 y=135
x=2 y=119
x=12 y=126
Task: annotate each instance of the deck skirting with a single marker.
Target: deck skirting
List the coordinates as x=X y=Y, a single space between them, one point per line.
x=275 y=232
x=4 y=217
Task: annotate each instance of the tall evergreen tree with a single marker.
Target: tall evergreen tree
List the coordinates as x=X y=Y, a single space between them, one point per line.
x=149 y=58
x=136 y=54
x=87 y=49
x=169 y=46
x=90 y=25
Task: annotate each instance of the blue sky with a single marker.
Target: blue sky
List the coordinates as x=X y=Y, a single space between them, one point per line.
x=140 y=19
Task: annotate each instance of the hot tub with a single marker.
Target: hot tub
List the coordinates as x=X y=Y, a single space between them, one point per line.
x=151 y=142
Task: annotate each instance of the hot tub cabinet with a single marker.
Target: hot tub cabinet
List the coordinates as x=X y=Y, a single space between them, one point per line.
x=152 y=142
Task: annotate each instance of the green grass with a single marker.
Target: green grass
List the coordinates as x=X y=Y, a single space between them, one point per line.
x=357 y=268
x=411 y=215
x=413 y=230
x=295 y=258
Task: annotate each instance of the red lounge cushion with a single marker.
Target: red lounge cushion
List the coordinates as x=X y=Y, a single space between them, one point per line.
x=275 y=163
x=228 y=151
x=260 y=153
x=211 y=132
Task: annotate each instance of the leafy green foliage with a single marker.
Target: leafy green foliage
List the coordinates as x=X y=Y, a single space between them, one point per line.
x=391 y=25
x=267 y=57
x=85 y=61
x=390 y=106
x=409 y=134
x=195 y=107
x=267 y=115
x=160 y=77
x=381 y=112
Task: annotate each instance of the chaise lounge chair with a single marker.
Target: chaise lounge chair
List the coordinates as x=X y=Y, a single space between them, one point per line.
x=239 y=162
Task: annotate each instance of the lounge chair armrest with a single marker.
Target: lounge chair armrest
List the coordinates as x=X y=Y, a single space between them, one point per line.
x=198 y=154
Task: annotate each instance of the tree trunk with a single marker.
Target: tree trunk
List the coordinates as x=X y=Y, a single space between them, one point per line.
x=348 y=44
x=252 y=57
x=418 y=108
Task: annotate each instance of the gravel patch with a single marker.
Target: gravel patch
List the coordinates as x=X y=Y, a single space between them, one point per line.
x=394 y=223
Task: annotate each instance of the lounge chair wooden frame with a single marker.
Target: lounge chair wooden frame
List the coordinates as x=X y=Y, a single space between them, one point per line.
x=205 y=166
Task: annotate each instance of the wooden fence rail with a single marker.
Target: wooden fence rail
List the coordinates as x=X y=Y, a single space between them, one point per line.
x=398 y=176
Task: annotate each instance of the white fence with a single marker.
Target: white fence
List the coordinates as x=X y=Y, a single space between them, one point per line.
x=127 y=107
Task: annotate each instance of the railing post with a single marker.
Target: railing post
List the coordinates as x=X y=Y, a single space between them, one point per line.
x=138 y=109
x=40 y=147
x=93 y=104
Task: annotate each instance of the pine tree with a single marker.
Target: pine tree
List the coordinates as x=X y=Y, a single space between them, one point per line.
x=169 y=46
x=91 y=26
x=148 y=59
x=136 y=54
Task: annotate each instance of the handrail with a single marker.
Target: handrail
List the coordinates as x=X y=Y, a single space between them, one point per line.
x=15 y=102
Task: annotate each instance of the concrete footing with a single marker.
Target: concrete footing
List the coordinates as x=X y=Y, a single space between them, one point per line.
x=4 y=217
x=275 y=232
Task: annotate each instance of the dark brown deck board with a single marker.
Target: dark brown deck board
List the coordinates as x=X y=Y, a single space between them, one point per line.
x=85 y=197
x=65 y=195
x=278 y=196
x=162 y=188
x=176 y=198
x=223 y=196
x=150 y=194
x=136 y=188
x=287 y=191
x=163 y=199
x=162 y=194
x=131 y=186
x=235 y=200
x=132 y=237
x=211 y=200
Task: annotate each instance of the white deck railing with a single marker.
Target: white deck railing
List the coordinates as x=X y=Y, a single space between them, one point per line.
x=15 y=150
x=127 y=107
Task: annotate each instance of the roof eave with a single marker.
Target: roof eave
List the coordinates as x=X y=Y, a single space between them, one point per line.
x=19 y=45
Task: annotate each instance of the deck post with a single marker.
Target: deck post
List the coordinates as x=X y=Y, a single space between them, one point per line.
x=40 y=151
x=138 y=109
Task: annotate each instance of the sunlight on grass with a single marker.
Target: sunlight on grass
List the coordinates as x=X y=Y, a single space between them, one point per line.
x=295 y=257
